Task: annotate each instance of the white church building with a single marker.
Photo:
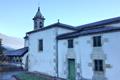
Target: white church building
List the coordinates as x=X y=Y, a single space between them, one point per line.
x=86 y=52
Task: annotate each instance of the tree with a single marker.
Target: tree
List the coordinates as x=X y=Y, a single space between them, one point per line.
x=1 y=50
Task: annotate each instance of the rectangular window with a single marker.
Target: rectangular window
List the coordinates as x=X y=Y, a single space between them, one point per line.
x=97 y=41
x=98 y=65
x=40 y=45
x=70 y=43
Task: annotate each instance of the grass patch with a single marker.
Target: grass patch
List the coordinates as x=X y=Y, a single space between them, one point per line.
x=26 y=76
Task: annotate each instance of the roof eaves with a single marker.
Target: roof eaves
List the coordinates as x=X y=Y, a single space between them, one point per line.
x=99 y=23
x=77 y=34
x=54 y=25
x=15 y=52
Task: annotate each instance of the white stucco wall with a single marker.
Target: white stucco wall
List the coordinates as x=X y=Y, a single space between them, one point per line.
x=24 y=60
x=62 y=31
x=112 y=48
x=26 y=42
x=62 y=51
x=66 y=53
x=44 y=61
x=83 y=49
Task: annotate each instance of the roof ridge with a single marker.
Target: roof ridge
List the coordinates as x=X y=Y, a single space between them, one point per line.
x=53 y=25
x=98 y=23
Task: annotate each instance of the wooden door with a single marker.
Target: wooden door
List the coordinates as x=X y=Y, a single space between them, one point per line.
x=71 y=69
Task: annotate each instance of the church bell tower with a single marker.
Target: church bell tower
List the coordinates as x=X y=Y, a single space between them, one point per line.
x=38 y=20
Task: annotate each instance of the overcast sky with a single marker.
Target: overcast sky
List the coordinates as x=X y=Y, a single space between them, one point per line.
x=16 y=15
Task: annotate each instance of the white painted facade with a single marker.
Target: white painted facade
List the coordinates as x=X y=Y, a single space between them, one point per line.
x=82 y=51
x=57 y=52
x=24 y=61
x=44 y=61
x=24 y=58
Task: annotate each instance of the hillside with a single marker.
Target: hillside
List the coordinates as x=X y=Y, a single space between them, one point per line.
x=11 y=42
